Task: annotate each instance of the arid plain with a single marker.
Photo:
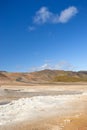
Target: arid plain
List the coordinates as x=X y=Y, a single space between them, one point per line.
x=58 y=106
x=43 y=100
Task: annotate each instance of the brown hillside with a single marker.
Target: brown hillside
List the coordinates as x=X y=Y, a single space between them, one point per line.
x=44 y=76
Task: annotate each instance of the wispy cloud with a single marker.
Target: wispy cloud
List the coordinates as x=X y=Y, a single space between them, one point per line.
x=43 y=15
x=45 y=66
x=42 y=67
x=31 y=28
x=64 y=65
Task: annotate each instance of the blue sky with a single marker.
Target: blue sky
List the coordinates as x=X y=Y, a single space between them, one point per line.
x=42 y=34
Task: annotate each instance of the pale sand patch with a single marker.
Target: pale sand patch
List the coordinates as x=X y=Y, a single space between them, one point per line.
x=40 y=107
x=53 y=123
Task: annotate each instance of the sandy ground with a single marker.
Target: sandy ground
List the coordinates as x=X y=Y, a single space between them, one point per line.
x=43 y=107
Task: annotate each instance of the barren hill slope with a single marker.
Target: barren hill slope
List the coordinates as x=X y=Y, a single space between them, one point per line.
x=43 y=76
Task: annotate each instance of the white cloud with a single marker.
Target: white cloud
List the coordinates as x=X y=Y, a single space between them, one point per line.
x=42 y=67
x=67 y=14
x=43 y=15
x=45 y=66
